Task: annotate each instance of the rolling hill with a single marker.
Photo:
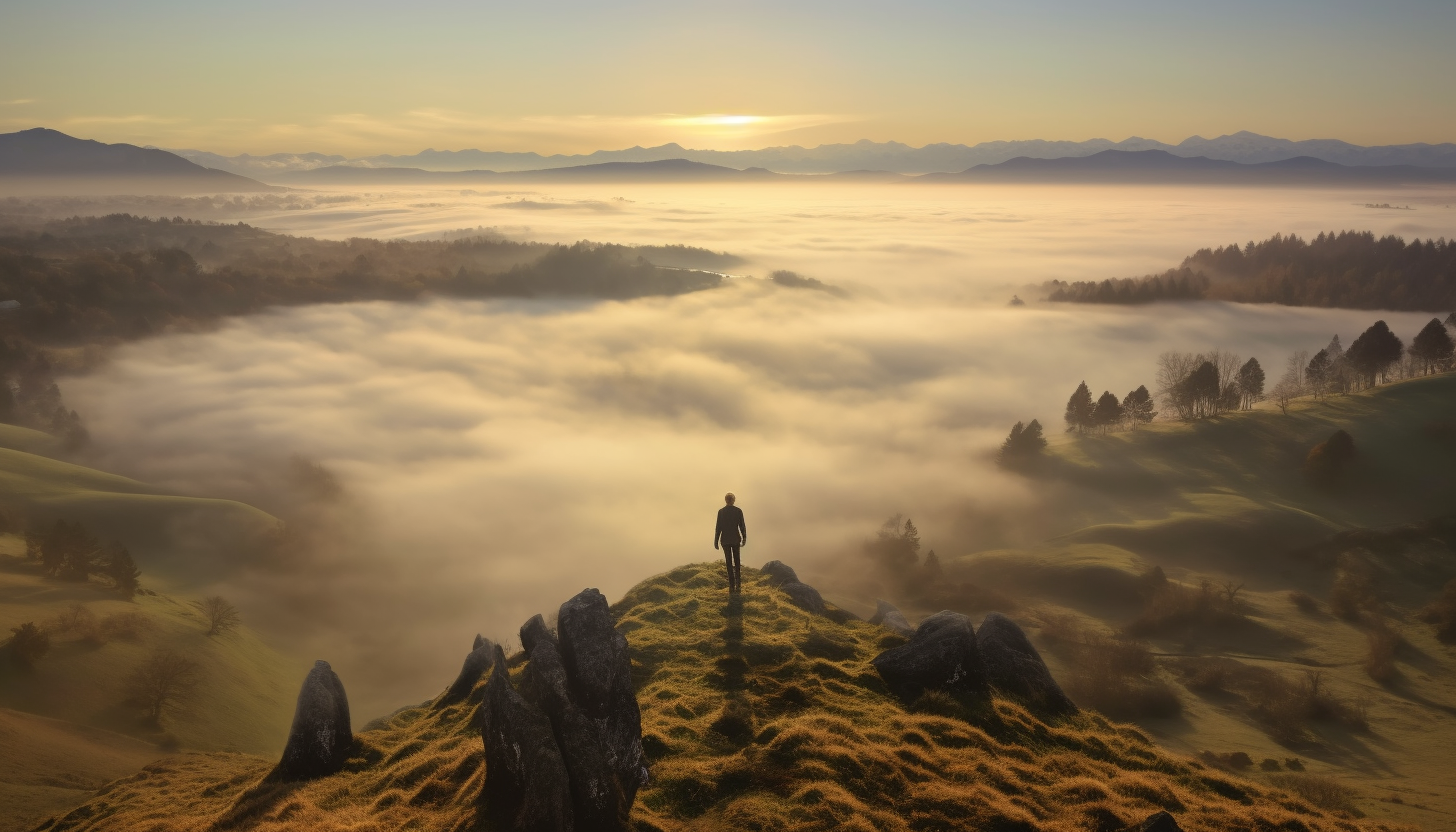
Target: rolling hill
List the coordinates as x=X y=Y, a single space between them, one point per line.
x=42 y=161
x=663 y=170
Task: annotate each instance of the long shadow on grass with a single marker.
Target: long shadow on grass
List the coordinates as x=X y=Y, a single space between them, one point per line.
x=736 y=720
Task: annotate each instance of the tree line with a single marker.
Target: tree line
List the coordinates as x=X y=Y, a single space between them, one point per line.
x=1194 y=386
x=1348 y=270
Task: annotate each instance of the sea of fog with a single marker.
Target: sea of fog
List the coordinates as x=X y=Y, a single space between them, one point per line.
x=498 y=456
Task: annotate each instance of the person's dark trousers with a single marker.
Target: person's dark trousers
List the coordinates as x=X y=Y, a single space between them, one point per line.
x=735 y=569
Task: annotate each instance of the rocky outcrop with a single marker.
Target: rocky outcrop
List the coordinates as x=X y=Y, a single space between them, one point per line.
x=527 y=788
x=320 y=739
x=596 y=792
x=1014 y=666
x=599 y=678
x=476 y=663
x=1160 y=822
x=942 y=655
x=889 y=617
x=805 y=597
x=779 y=573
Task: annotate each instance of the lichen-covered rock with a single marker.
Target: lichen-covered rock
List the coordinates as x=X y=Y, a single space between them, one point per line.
x=890 y=617
x=599 y=678
x=320 y=739
x=526 y=784
x=805 y=597
x=1160 y=822
x=476 y=663
x=596 y=791
x=943 y=656
x=779 y=573
x=1014 y=666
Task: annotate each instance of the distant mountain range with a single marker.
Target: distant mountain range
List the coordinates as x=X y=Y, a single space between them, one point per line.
x=1245 y=147
x=48 y=161
x=1106 y=167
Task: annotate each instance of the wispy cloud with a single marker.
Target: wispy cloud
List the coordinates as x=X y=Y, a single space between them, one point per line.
x=18 y=101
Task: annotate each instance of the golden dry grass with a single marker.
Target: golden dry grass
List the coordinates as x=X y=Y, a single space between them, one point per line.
x=756 y=716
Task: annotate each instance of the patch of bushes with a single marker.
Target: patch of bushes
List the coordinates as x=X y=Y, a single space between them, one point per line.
x=1383 y=643
x=1354 y=592
x=1115 y=675
x=28 y=644
x=1174 y=606
x=1284 y=706
x=1304 y=602
x=1324 y=792
x=1441 y=613
x=1232 y=760
x=1327 y=462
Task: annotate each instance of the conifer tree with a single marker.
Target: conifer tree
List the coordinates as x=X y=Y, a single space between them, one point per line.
x=1433 y=347
x=1137 y=407
x=118 y=566
x=1107 y=412
x=1079 y=409
x=1374 y=351
x=1251 y=383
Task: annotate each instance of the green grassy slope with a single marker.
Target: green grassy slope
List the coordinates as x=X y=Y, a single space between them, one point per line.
x=756 y=716
x=1226 y=501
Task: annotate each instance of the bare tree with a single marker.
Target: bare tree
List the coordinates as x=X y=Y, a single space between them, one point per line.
x=1283 y=393
x=162 y=684
x=221 y=615
x=1294 y=371
x=1173 y=369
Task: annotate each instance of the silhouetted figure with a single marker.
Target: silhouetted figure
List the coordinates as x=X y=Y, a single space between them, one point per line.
x=732 y=534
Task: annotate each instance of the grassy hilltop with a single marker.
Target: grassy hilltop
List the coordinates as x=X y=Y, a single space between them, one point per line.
x=756 y=715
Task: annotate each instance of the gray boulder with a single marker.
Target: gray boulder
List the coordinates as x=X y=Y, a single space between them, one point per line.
x=526 y=784
x=804 y=597
x=1014 y=666
x=476 y=663
x=779 y=573
x=596 y=792
x=599 y=679
x=943 y=656
x=889 y=617
x=1160 y=822
x=320 y=739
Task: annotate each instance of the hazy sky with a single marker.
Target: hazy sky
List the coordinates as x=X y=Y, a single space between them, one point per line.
x=369 y=77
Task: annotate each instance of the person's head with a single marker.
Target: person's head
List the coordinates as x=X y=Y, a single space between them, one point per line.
x=728 y=498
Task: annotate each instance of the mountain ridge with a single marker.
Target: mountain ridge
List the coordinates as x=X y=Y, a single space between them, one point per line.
x=41 y=159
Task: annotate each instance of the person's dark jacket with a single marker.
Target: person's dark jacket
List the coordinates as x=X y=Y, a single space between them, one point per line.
x=730 y=526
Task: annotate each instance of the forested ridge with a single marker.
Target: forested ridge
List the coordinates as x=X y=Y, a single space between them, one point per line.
x=1348 y=270
x=121 y=276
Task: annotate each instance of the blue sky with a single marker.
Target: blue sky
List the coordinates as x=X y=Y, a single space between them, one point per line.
x=374 y=77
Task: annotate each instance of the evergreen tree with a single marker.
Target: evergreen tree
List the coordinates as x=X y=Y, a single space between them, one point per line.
x=1107 y=412
x=1137 y=407
x=1024 y=441
x=1374 y=351
x=1079 y=409
x=1202 y=390
x=1251 y=383
x=28 y=644
x=69 y=552
x=118 y=566
x=932 y=568
x=1433 y=347
x=1317 y=374
x=1032 y=440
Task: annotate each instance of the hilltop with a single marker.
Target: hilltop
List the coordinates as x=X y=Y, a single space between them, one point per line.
x=48 y=161
x=756 y=715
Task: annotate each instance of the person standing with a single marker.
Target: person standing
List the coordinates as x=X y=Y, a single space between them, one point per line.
x=732 y=534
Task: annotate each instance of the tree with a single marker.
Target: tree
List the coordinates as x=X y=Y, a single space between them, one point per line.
x=1201 y=391
x=1284 y=392
x=1317 y=374
x=1107 y=412
x=1079 y=409
x=222 y=616
x=1174 y=369
x=118 y=566
x=1025 y=441
x=69 y=552
x=1251 y=383
x=1137 y=407
x=1294 y=370
x=1433 y=348
x=162 y=684
x=28 y=644
x=1374 y=351
x=1451 y=320
x=1327 y=460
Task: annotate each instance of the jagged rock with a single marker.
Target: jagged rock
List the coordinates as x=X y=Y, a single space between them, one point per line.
x=599 y=678
x=596 y=791
x=805 y=597
x=319 y=741
x=476 y=663
x=889 y=617
x=1013 y=665
x=779 y=573
x=942 y=656
x=1160 y=822
x=526 y=784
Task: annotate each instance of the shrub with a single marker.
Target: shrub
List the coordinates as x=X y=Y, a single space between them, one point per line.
x=1353 y=593
x=1304 y=602
x=128 y=626
x=1326 y=463
x=28 y=644
x=1116 y=676
x=1233 y=761
x=1269 y=764
x=1176 y=606
x=1283 y=706
x=1442 y=613
x=221 y=615
x=1324 y=792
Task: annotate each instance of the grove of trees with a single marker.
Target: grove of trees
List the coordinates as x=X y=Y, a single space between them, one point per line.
x=66 y=550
